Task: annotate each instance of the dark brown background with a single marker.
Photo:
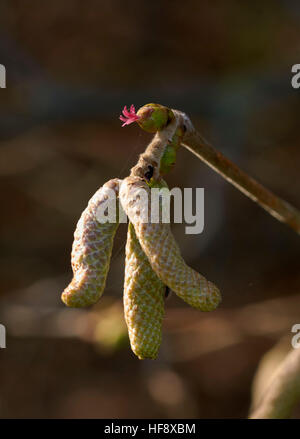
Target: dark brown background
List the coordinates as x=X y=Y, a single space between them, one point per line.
x=71 y=67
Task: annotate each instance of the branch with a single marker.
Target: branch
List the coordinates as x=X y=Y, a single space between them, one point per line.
x=274 y=205
x=283 y=392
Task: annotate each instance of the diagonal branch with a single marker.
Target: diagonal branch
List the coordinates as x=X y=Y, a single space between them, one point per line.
x=274 y=205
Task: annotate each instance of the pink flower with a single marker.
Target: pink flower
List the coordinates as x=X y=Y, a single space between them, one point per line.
x=129 y=116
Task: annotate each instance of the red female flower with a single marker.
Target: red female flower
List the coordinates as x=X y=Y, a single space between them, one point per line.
x=129 y=116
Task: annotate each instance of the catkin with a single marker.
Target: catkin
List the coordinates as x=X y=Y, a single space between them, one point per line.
x=143 y=300
x=91 y=251
x=159 y=245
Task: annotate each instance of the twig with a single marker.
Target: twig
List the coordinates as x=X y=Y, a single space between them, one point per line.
x=283 y=392
x=274 y=205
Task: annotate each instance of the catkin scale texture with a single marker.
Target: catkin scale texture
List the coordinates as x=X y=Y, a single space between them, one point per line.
x=159 y=245
x=143 y=300
x=91 y=252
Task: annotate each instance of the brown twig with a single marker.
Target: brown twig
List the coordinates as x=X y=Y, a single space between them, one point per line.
x=274 y=205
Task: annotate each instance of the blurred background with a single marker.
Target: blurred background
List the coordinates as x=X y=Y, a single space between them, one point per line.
x=71 y=67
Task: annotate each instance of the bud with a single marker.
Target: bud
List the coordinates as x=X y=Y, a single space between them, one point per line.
x=168 y=158
x=154 y=117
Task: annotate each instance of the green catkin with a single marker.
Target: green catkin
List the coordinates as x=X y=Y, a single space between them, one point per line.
x=91 y=252
x=159 y=245
x=156 y=239
x=153 y=260
x=143 y=300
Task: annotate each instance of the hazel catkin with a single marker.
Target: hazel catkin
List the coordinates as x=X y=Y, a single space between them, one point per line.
x=143 y=300
x=159 y=245
x=91 y=251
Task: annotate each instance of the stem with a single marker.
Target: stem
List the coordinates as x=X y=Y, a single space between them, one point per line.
x=275 y=206
x=284 y=391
